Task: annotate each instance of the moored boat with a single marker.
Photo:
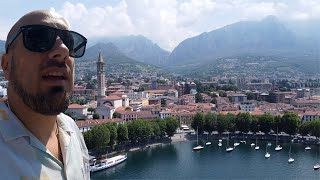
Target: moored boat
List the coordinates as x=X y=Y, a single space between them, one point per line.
x=107 y=163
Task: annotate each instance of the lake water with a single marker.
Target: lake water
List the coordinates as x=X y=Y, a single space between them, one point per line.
x=178 y=161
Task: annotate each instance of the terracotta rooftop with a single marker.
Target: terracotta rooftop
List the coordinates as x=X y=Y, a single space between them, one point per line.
x=155 y=91
x=76 y=106
x=111 y=98
x=88 y=123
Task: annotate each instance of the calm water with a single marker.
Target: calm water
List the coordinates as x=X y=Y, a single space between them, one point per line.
x=178 y=161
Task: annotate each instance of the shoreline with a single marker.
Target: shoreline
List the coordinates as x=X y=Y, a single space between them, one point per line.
x=182 y=137
x=283 y=138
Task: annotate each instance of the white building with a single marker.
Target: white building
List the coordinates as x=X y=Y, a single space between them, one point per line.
x=77 y=110
x=136 y=105
x=247 y=106
x=137 y=95
x=310 y=116
x=105 y=111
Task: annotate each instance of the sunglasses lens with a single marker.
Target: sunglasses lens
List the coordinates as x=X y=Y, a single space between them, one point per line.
x=75 y=42
x=39 y=38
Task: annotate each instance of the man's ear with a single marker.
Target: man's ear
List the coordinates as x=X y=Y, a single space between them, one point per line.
x=5 y=65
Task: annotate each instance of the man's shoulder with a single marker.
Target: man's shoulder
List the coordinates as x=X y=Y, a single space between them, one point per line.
x=67 y=121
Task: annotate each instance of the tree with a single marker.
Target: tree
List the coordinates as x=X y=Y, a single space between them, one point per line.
x=88 y=138
x=199 y=98
x=250 y=95
x=254 y=125
x=290 y=122
x=266 y=122
x=122 y=132
x=198 y=122
x=139 y=131
x=305 y=128
x=315 y=128
x=116 y=115
x=156 y=133
x=100 y=136
x=231 y=124
x=91 y=109
x=171 y=126
x=210 y=122
x=162 y=127
x=243 y=121
x=95 y=116
x=113 y=132
x=222 y=123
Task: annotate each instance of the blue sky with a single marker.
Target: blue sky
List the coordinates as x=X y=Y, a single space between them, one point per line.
x=165 y=22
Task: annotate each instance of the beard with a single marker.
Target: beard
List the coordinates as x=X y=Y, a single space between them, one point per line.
x=52 y=102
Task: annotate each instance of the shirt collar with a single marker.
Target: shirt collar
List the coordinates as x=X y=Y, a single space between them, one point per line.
x=10 y=126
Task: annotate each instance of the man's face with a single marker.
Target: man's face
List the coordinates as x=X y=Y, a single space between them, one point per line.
x=44 y=81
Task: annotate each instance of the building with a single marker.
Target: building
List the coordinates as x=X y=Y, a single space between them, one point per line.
x=264 y=87
x=303 y=102
x=87 y=125
x=247 y=106
x=303 y=93
x=310 y=116
x=276 y=97
x=137 y=95
x=237 y=97
x=77 y=111
x=105 y=111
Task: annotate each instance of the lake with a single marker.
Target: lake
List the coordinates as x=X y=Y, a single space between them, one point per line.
x=178 y=161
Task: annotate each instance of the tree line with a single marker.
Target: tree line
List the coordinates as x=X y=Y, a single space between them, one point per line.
x=134 y=132
x=289 y=123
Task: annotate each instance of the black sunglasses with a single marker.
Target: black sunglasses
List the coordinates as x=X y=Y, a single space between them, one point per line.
x=41 y=38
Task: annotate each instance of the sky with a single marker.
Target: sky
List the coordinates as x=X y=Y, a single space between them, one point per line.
x=165 y=22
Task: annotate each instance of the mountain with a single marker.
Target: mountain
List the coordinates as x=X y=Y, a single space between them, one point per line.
x=115 y=61
x=266 y=37
x=139 y=48
x=2 y=46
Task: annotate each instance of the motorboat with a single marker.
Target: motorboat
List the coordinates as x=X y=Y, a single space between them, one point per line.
x=107 y=163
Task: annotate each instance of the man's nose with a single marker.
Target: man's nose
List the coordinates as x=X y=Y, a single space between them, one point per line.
x=59 y=51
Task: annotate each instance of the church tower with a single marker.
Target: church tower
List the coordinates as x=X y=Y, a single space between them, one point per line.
x=101 y=77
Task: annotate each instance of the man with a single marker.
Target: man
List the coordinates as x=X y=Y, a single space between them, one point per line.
x=37 y=141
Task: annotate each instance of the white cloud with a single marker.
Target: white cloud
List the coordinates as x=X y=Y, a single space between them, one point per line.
x=168 y=22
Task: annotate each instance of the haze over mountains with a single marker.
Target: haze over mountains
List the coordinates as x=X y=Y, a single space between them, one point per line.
x=266 y=37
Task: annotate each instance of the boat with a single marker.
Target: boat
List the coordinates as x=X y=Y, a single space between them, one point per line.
x=267 y=155
x=290 y=160
x=252 y=144
x=228 y=149
x=208 y=142
x=307 y=148
x=278 y=147
x=107 y=163
x=236 y=144
x=257 y=147
x=269 y=144
x=198 y=147
x=219 y=144
x=317 y=166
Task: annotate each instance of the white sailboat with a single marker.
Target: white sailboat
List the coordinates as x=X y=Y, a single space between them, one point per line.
x=267 y=155
x=220 y=143
x=257 y=147
x=228 y=149
x=290 y=160
x=307 y=148
x=208 y=142
x=198 y=147
x=317 y=166
x=278 y=147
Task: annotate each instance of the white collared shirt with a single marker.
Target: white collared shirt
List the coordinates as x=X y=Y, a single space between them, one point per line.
x=23 y=156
